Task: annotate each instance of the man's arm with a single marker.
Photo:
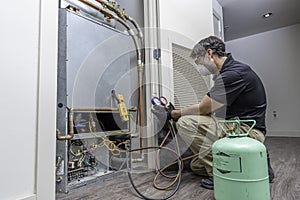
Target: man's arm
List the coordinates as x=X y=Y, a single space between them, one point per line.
x=206 y=106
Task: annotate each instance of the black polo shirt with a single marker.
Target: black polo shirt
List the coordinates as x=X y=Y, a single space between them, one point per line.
x=241 y=91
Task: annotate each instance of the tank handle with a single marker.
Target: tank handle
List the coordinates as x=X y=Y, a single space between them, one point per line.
x=234 y=130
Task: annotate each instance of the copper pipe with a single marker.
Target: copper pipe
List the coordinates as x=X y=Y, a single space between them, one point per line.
x=106 y=12
x=70 y=135
x=140 y=77
x=90 y=4
x=98 y=109
x=71 y=130
x=121 y=14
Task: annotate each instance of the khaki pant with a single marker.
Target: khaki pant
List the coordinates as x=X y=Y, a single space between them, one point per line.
x=199 y=133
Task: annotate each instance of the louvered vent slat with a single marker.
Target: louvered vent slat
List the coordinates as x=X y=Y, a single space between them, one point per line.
x=189 y=85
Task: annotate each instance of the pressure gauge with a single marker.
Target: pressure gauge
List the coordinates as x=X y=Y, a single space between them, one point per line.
x=163 y=100
x=155 y=101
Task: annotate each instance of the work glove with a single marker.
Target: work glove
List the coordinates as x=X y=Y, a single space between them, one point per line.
x=163 y=113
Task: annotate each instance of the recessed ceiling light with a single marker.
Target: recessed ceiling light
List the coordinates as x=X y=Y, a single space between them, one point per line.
x=267 y=15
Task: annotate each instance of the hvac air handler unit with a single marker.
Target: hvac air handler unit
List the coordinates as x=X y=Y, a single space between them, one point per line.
x=239 y=165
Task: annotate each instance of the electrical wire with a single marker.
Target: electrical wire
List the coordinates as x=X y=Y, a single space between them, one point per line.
x=116 y=151
x=106 y=142
x=72 y=152
x=81 y=160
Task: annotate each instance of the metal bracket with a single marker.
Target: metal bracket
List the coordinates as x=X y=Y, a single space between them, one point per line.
x=157 y=53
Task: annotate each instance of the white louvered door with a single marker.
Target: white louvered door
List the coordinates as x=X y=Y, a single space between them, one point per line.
x=189 y=85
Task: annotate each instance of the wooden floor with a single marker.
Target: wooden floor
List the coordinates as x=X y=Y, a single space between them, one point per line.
x=285 y=159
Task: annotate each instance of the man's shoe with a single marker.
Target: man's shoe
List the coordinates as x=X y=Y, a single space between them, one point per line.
x=271 y=174
x=208 y=183
x=270 y=169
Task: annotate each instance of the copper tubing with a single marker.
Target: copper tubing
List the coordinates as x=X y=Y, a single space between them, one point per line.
x=71 y=130
x=90 y=4
x=106 y=12
x=71 y=110
x=121 y=14
x=140 y=77
x=67 y=137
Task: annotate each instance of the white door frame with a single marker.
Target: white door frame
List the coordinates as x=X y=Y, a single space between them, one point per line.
x=47 y=89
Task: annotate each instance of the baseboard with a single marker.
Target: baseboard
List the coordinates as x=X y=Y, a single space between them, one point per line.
x=32 y=197
x=283 y=133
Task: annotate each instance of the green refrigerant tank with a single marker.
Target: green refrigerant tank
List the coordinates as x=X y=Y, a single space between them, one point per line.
x=240 y=168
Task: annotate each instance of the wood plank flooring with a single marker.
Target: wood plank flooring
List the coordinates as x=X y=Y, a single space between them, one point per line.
x=285 y=159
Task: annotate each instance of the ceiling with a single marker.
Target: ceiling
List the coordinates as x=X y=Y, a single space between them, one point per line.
x=244 y=17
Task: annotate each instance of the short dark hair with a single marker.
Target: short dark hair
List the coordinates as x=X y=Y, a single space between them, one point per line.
x=212 y=42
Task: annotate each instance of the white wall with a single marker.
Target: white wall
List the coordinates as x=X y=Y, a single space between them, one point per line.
x=19 y=79
x=184 y=23
x=192 y=19
x=275 y=57
x=21 y=98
